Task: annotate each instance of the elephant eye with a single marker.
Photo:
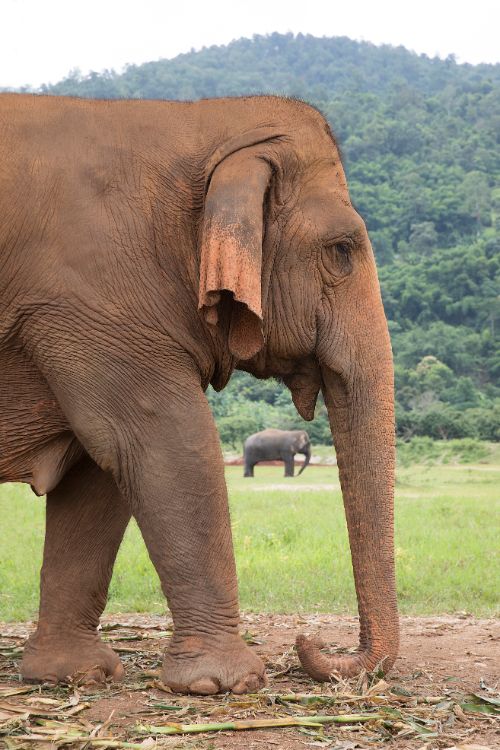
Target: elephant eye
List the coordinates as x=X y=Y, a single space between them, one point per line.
x=337 y=257
x=344 y=248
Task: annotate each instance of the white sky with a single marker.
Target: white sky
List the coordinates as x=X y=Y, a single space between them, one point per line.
x=42 y=40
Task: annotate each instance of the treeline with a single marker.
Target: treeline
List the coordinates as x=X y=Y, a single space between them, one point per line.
x=420 y=139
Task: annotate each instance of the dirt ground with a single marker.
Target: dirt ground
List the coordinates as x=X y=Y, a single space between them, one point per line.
x=442 y=693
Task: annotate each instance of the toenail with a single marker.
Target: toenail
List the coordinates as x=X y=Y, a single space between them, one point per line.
x=118 y=673
x=205 y=686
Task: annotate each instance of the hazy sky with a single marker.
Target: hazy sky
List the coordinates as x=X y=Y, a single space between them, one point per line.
x=42 y=40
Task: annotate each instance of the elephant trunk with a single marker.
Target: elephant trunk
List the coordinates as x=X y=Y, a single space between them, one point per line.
x=361 y=414
x=307 y=454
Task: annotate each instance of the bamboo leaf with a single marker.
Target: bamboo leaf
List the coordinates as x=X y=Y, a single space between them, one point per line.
x=486 y=699
x=7 y=691
x=480 y=708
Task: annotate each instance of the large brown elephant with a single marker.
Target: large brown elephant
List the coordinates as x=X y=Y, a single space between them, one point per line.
x=146 y=250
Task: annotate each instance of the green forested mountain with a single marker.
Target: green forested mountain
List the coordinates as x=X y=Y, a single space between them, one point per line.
x=420 y=140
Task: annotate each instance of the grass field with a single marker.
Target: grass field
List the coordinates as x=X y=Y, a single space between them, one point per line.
x=291 y=544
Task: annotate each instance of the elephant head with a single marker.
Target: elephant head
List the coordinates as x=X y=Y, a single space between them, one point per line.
x=288 y=277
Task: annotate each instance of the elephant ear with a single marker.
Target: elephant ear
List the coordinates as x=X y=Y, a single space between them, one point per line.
x=231 y=246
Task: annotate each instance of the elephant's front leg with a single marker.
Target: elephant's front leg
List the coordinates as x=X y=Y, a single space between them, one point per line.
x=249 y=467
x=289 y=461
x=85 y=522
x=180 y=502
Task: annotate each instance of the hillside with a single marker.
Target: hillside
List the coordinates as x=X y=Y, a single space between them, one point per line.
x=420 y=139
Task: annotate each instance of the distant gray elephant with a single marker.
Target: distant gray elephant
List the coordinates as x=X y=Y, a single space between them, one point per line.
x=276 y=445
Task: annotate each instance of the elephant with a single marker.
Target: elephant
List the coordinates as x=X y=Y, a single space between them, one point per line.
x=276 y=445
x=147 y=250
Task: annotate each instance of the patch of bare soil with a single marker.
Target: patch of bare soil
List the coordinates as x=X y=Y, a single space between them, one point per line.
x=442 y=693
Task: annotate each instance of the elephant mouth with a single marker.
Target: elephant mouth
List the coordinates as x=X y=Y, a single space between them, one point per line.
x=305 y=385
x=302 y=378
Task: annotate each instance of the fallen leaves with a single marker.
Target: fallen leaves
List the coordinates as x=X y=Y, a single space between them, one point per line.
x=143 y=713
x=387 y=715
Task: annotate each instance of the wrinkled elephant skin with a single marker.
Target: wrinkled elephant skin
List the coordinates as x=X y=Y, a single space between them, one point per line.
x=148 y=249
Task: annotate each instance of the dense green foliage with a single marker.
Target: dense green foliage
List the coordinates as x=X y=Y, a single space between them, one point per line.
x=424 y=450
x=420 y=139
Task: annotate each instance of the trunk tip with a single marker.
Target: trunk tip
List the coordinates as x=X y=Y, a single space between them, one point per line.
x=323 y=667
x=307 y=642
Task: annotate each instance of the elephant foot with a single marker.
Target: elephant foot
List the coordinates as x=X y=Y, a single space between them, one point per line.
x=205 y=666
x=85 y=661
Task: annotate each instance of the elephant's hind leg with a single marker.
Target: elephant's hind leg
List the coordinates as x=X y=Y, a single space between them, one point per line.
x=85 y=523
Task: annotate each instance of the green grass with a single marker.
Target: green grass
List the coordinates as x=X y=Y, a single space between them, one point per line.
x=424 y=450
x=291 y=544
